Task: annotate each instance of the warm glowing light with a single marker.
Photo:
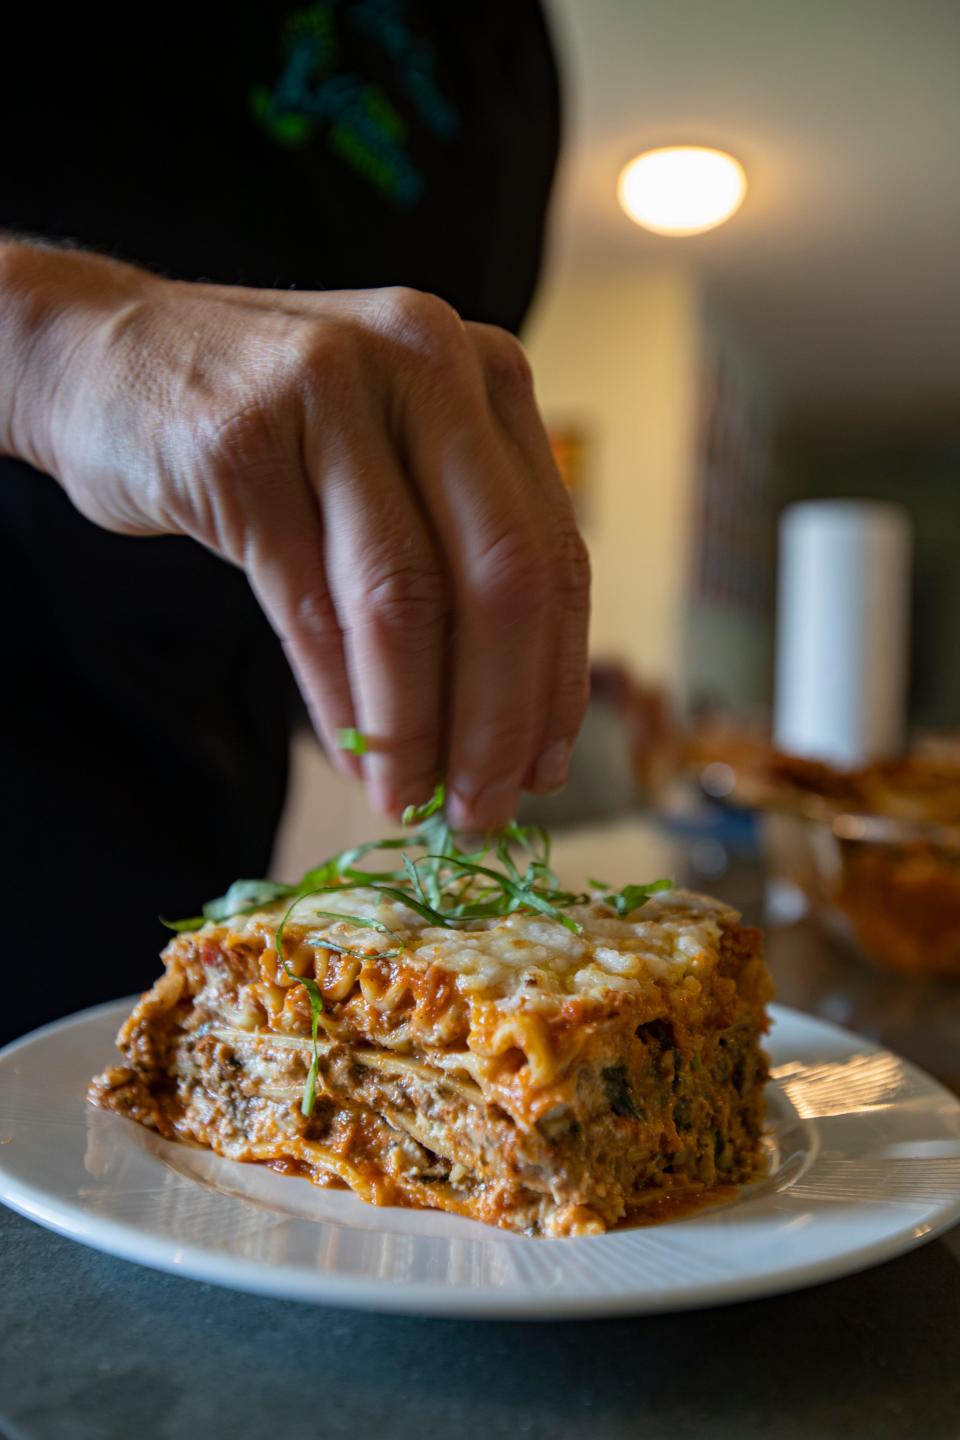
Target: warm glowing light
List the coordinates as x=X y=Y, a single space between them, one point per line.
x=682 y=189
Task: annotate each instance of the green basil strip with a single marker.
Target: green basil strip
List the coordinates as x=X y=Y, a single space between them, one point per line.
x=353 y=740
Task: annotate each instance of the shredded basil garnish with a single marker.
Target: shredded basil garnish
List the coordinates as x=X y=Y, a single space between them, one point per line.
x=351 y=739
x=631 y=897
x=444 y=884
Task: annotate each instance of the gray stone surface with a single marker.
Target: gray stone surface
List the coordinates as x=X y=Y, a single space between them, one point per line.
x=93 y=1348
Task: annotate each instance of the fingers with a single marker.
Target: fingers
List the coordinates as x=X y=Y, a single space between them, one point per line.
x=500 y=641
x=426 y=577
x=283 y=558
x=511 y=395
x=484 y=511
x=390 y=596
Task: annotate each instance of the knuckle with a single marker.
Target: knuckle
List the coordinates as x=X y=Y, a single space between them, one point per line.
x=208 y=488
x=420 y=320
x=325 y=361
x=320 y=346
x=573 y=568
x=233 y=430
x=505 y=362
x=313 y=616
x=413 y=740
x=573 y=697
x=510 y=573
x=402 y=599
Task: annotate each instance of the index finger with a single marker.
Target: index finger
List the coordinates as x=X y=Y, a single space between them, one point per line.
x=390 y=597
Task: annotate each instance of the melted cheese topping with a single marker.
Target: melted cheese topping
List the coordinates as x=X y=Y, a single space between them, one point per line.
x=520 y=961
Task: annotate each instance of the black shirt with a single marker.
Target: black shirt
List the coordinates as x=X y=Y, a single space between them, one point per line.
x=334 y=145
x=349 y=143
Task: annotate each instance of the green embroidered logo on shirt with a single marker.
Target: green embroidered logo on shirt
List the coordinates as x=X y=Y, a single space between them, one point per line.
x=314 y=98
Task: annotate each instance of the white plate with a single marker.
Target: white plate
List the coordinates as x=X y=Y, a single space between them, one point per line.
x=864 y=1155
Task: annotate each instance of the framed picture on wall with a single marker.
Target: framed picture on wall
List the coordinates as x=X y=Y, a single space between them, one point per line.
x=569 y=441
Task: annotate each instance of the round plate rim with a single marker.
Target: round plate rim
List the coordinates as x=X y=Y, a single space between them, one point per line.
x=127 y=1242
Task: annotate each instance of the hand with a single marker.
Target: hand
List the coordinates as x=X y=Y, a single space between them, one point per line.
x=379 y=469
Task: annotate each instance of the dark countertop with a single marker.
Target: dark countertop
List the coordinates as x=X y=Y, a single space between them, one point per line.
x=93 y=1348
x=98 y=1349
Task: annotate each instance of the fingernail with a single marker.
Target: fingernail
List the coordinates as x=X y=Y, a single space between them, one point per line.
x=494 y=805
x=550 y=771
x=394 y=797
x=348 y=765
x=383 y=798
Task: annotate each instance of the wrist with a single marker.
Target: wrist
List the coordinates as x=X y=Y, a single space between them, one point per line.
x=51 y=302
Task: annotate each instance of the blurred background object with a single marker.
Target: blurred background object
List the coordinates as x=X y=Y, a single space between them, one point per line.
x=681 y=189
x=842 y=612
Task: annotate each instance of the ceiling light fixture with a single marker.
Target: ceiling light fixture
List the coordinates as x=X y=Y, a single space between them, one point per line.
x=681 y=189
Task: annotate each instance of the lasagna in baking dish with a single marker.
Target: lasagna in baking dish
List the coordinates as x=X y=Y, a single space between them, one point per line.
x=460 y=1033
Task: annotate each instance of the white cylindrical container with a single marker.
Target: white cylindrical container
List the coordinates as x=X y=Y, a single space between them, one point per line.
x=842 y=630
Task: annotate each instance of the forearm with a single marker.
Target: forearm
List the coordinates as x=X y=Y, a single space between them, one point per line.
x=49 y=299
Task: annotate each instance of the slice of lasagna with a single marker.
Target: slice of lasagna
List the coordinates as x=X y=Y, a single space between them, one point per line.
x=491 y=1046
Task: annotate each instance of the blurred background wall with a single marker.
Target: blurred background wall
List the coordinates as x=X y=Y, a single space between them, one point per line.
x=616 y=357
